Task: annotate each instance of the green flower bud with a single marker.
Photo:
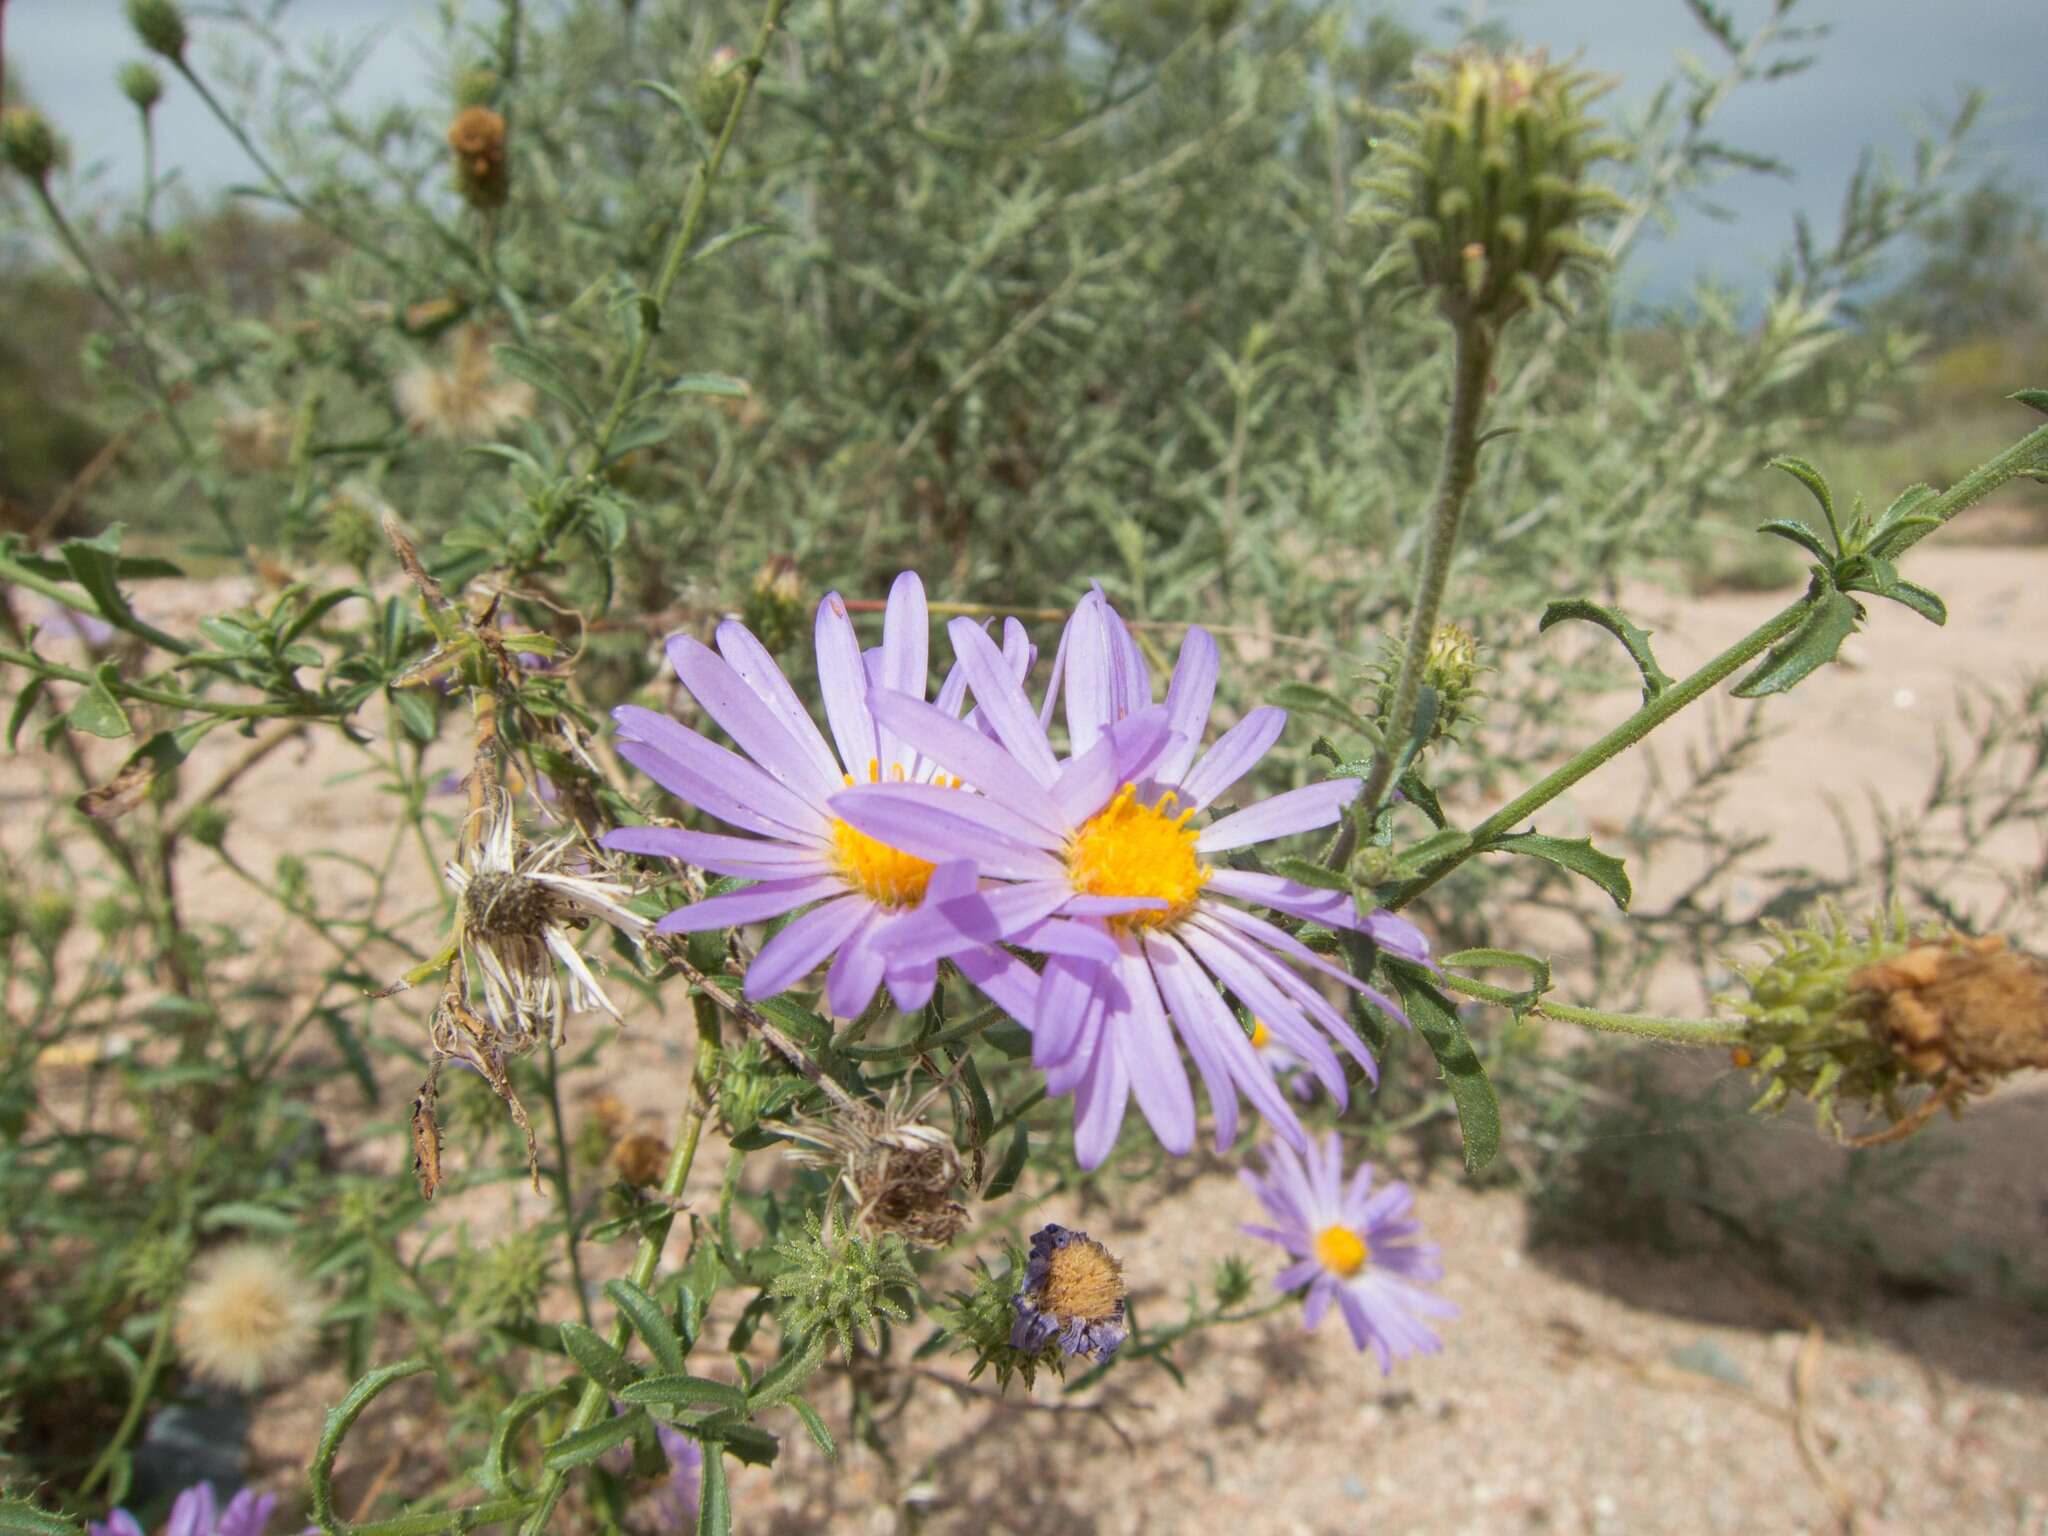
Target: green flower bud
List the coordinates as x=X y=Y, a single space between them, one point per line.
x=141 y=85
x=29 y=144
x=48 y=917
x=207 y=825
x=774 y=609
x=160 y=25
x=1451 y=669
x=717 y=86
x=1484 y=184
x=352 y=536
x=1233 y=1282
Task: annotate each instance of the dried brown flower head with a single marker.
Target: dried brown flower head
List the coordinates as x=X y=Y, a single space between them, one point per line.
x=900 y=1172
x=1961 y=1010
x=477 y=136
x=641 y=1158
x=467 y=399
x=248 y=1316
x=252 y=441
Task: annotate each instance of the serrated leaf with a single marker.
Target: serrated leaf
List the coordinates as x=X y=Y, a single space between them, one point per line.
x=97 y=712
x=648 y=1320
x=1807 y=649
x=1634 y=639
x=586 y=1445
x=20 y=1518
x=1421 y=796
x=1816 y=483
x=683 y=1390
x=596 y=1358
x=1437 y=1022
x=1575 y=854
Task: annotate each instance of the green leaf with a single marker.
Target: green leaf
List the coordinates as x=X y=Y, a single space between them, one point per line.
x=819 y=1433
x=249 y=1216
x=1903 y=515
x=1421 y=796
x=788 y=1374
x=1575 y=854
x=1308 y=872
x=341 y=1419
x=1807 y=649
x=1486 y=959
x=648 y=1320
x=18 y=1517
x=97 y=712
x=731 y=237
x=1634 y=639
x=641 y=432
x=1306 y=698
x=1437 y=1022
x=586 y=1445
x=595 y=1357
x=98 y=565
x=544 y=375
x=23 y=703
x=1816 y=483
x=714 y=1499
x=2037 y=398
x=722 y=384
x=680 y=1390
x=1916 y=597
x=1011 y=1168
x=414 y=713
x=495 y=1473
x=1793 y=529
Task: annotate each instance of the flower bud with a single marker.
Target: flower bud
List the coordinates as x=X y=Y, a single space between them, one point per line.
x=28 y=143
x=477 y=136
x=108 y=916
x=160 y=25
x=477 y=86
x=1484 y=183
x=1450 y=668
x=207 y=825
x=141 y=85
x=718 y=84
x=774 y=608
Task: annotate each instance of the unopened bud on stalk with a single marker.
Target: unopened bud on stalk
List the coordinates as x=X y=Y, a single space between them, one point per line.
x=774 y=609
x=141 y=85
x=29 y=144
x=160 y=25
x=1451 y=668
x=1484 y=182
x=718 y=83
x=477 y=136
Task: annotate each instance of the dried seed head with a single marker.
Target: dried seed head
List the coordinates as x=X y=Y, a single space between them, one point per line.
x=1969 y=1009
x=254 y=440
x=900 y=1172
x=641 y=1159
x=467 y=399
x=482 y=175
x=249 y=1316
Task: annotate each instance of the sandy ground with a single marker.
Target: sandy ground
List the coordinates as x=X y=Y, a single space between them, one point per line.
x=1587 y=1387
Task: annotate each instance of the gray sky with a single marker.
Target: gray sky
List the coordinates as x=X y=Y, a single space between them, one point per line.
x=1884 y=63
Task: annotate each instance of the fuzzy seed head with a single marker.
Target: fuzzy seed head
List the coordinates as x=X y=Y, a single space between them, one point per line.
x=466 y=399
x=249 y=1316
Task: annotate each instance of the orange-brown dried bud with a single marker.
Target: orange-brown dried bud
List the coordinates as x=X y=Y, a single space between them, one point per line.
x=1961 y=1009
x=641 y=1159
x=477 y=136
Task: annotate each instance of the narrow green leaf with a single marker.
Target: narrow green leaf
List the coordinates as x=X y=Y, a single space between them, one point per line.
x=1437 y=1022
x=722 y=384
x=2037 y=398
x=1011 y=1168
x=248 y=1216
x=1634 y=639
x=1793 y=529
x=1306 y=698
x=788 y=1374
x=731 y=237
x=586 y=1445
x=24 y=702
x=1308 y=872
x=1916 y=597
x=596 y=1358
x=1816 y=483
x=648 y=1320
x=544 y=375
x=1421 y=796
x=1484 y=959
x=1575 y=854
x=816 y=1425
x=1807 y=649
x=496 y=1473
x=681 y=1390
x=414 y=713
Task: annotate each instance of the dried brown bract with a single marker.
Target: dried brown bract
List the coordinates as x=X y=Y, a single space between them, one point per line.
x=1964 y=1010
x=477 y=136
x=900 y=1172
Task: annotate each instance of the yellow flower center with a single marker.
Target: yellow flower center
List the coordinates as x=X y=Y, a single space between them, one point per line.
x=1128 y=849
x=1082 y=1280
x=887 y=876
x=1341 y=1251
x=1260 y=1034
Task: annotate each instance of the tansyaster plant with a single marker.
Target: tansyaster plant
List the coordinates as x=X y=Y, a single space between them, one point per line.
x=1353 y=1244
x=195 y=1512
x=802 y=854
x=1106 y=836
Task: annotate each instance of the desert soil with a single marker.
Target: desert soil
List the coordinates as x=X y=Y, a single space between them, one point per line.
x=1587 y=1386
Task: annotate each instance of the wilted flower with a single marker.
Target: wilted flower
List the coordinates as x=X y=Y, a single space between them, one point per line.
x=477 y=137
x=249 y=1315
x=516 y=903
x=900 y=1172
x=1106 y=837
x=1353 y=1245
x=802 y=853
x=1072 y=1296
x=254 y=440
x=467 y=399
x=1960 y=1010
x=195 y=1513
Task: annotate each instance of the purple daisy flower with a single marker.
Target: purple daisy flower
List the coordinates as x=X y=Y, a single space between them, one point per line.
x=1291 y=1071
x=802 y=854
x=196 y=1513
x=1072 y=1296
x=1105 y=836
x=1353 y=1245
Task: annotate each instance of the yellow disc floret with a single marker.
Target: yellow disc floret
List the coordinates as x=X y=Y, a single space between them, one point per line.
x=887 y=876
x=1129 y=849
x=1341 y=1251
x=1261 y=1036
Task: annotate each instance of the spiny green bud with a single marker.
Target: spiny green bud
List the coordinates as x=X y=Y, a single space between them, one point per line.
x=503 y=1285
x=141 y=85
x=29 y=143
x=207 y=825
x=48 y=917
x=1233 y=1282
x=841 y=1286
x=982 y=1320
x=1450 y=668
x=718 y=84
x=1484 y=184
x=160 y=25
x=774 y=608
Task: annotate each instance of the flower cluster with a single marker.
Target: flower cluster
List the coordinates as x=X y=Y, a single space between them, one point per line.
x=927 y=832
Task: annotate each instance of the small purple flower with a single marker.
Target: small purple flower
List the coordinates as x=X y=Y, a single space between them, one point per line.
x=196 y=1513
x=1353 y=1245
x=1104 y=836
x=676 y=1504
x=62 y=622
x=1072 y=1296
x=802 y=854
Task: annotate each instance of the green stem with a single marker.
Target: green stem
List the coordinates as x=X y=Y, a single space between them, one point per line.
x=138 y=1399
x=2029 y=453
x=570 y=1239
x=590 y=1407
x=145 y=694
x=1644 y=1026
x=1471 y=364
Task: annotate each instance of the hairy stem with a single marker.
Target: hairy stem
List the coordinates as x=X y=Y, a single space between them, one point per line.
x=1644 y=1026
x=1471 y=364
x=138 y=1399
x=563 y=1194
